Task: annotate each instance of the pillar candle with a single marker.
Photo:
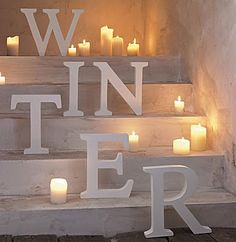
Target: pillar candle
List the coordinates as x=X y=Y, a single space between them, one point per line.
x=198 y=137
x=117 y=46
x=133 y=142
x=84 y=48
x=106 y=41
x=133 y=49
x=2 y=79
x=179 y=105
x=72 y=51
x=13 y=46
x=181 y=146
x=58 y=188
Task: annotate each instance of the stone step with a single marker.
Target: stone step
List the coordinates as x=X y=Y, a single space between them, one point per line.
x=22 y=69
x=32 y=173
x=35 y=215
x=61 y=133
x=156 y=97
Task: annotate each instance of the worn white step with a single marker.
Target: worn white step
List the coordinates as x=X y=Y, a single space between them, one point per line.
x=22 y=69
x=156 y=97
x=64 y=132
x=35 y=215
x=31 y=174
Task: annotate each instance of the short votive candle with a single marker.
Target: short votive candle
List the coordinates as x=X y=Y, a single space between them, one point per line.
x=72 y=51
x=13 y=45
x=2 y=79
x=58 y=190
x=181 y=146
x=133 y=141
x=179 y=105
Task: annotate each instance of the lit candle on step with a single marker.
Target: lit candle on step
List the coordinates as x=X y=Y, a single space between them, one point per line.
x=72 y=51
x=2 y=79
x=117 y=46
x=179 y=105
x=198 y=137
x=13 y=46
x=133 y=142
x=133 y=49
x=84 y=48
x=181 y=146
x=106 y=41
x=58 y=188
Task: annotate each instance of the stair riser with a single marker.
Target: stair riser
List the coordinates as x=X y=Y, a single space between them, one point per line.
x=156 y=98
x=108 y=222
x=52 y=69
x=64 y=133
x=32 y=177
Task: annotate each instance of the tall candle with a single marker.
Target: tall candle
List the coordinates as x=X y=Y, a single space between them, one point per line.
x=198 y=137
x=2 y=79
x=106 y=41
x=133 y=49
x=133 y=142
x=181 y=146
x=84 y=48
x=13 y=46
x=72 y=51
x=179 y=105
x=117 y=46
x=58 y=188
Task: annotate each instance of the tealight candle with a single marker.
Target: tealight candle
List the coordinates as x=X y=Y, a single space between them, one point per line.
x=72 y=51
x=133 y=49
x=13 y=46
x=58 y=188
x=84 y=48
x=179 y=105
x=133 y=142
x=117 y=46
x=106 y=41
x=181 y=146
x=2 y=79
x=198 y=137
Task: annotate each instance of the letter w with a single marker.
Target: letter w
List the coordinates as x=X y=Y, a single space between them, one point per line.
x=53 y=26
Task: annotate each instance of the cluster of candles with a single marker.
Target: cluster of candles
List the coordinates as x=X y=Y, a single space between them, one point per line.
x=110 y=46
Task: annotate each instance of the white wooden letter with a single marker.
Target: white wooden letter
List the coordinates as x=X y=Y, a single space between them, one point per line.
x=107 y=74
x=74 y=86
x=93 y=164
x=54 y=27
x=157 y=192
x=35 y=118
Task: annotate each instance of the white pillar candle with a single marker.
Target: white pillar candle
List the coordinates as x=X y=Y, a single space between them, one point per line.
x=13 y=46
x=84 y=48
x=133 y=142
x=133 y=49
x=179 y=105
x=117 y=46
x=2 y=79
x=106 y=41
x=198 y=137
x=181 y=146
x=58 y=188
x=72 y=51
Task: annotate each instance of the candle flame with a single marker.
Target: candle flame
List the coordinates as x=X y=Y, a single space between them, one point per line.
x=179 y=98
x=72 y=46
x=84 y=42
x=199 y=125
x=133 y=132
x=0 y=73
x=182 y=138
x=134 y=40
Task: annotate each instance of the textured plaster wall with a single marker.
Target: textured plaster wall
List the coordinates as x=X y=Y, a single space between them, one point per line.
x=203 y=32
x=129 y=18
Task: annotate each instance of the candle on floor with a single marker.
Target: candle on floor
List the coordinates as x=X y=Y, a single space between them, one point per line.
x=181 y=146
x=84 y=48
x=13 y=46
x=117 y=46
x=198 y=137
x=133 y=142
x=58 y=189
x=133 y=49
x=179 y=105
x=106 y=41
x=2 y=79
x=72 y=51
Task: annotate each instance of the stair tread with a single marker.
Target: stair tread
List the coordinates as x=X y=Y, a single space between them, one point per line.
x=137 y=199
x=73 y=154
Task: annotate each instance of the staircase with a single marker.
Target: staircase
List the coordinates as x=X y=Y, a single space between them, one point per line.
x=24 y=179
